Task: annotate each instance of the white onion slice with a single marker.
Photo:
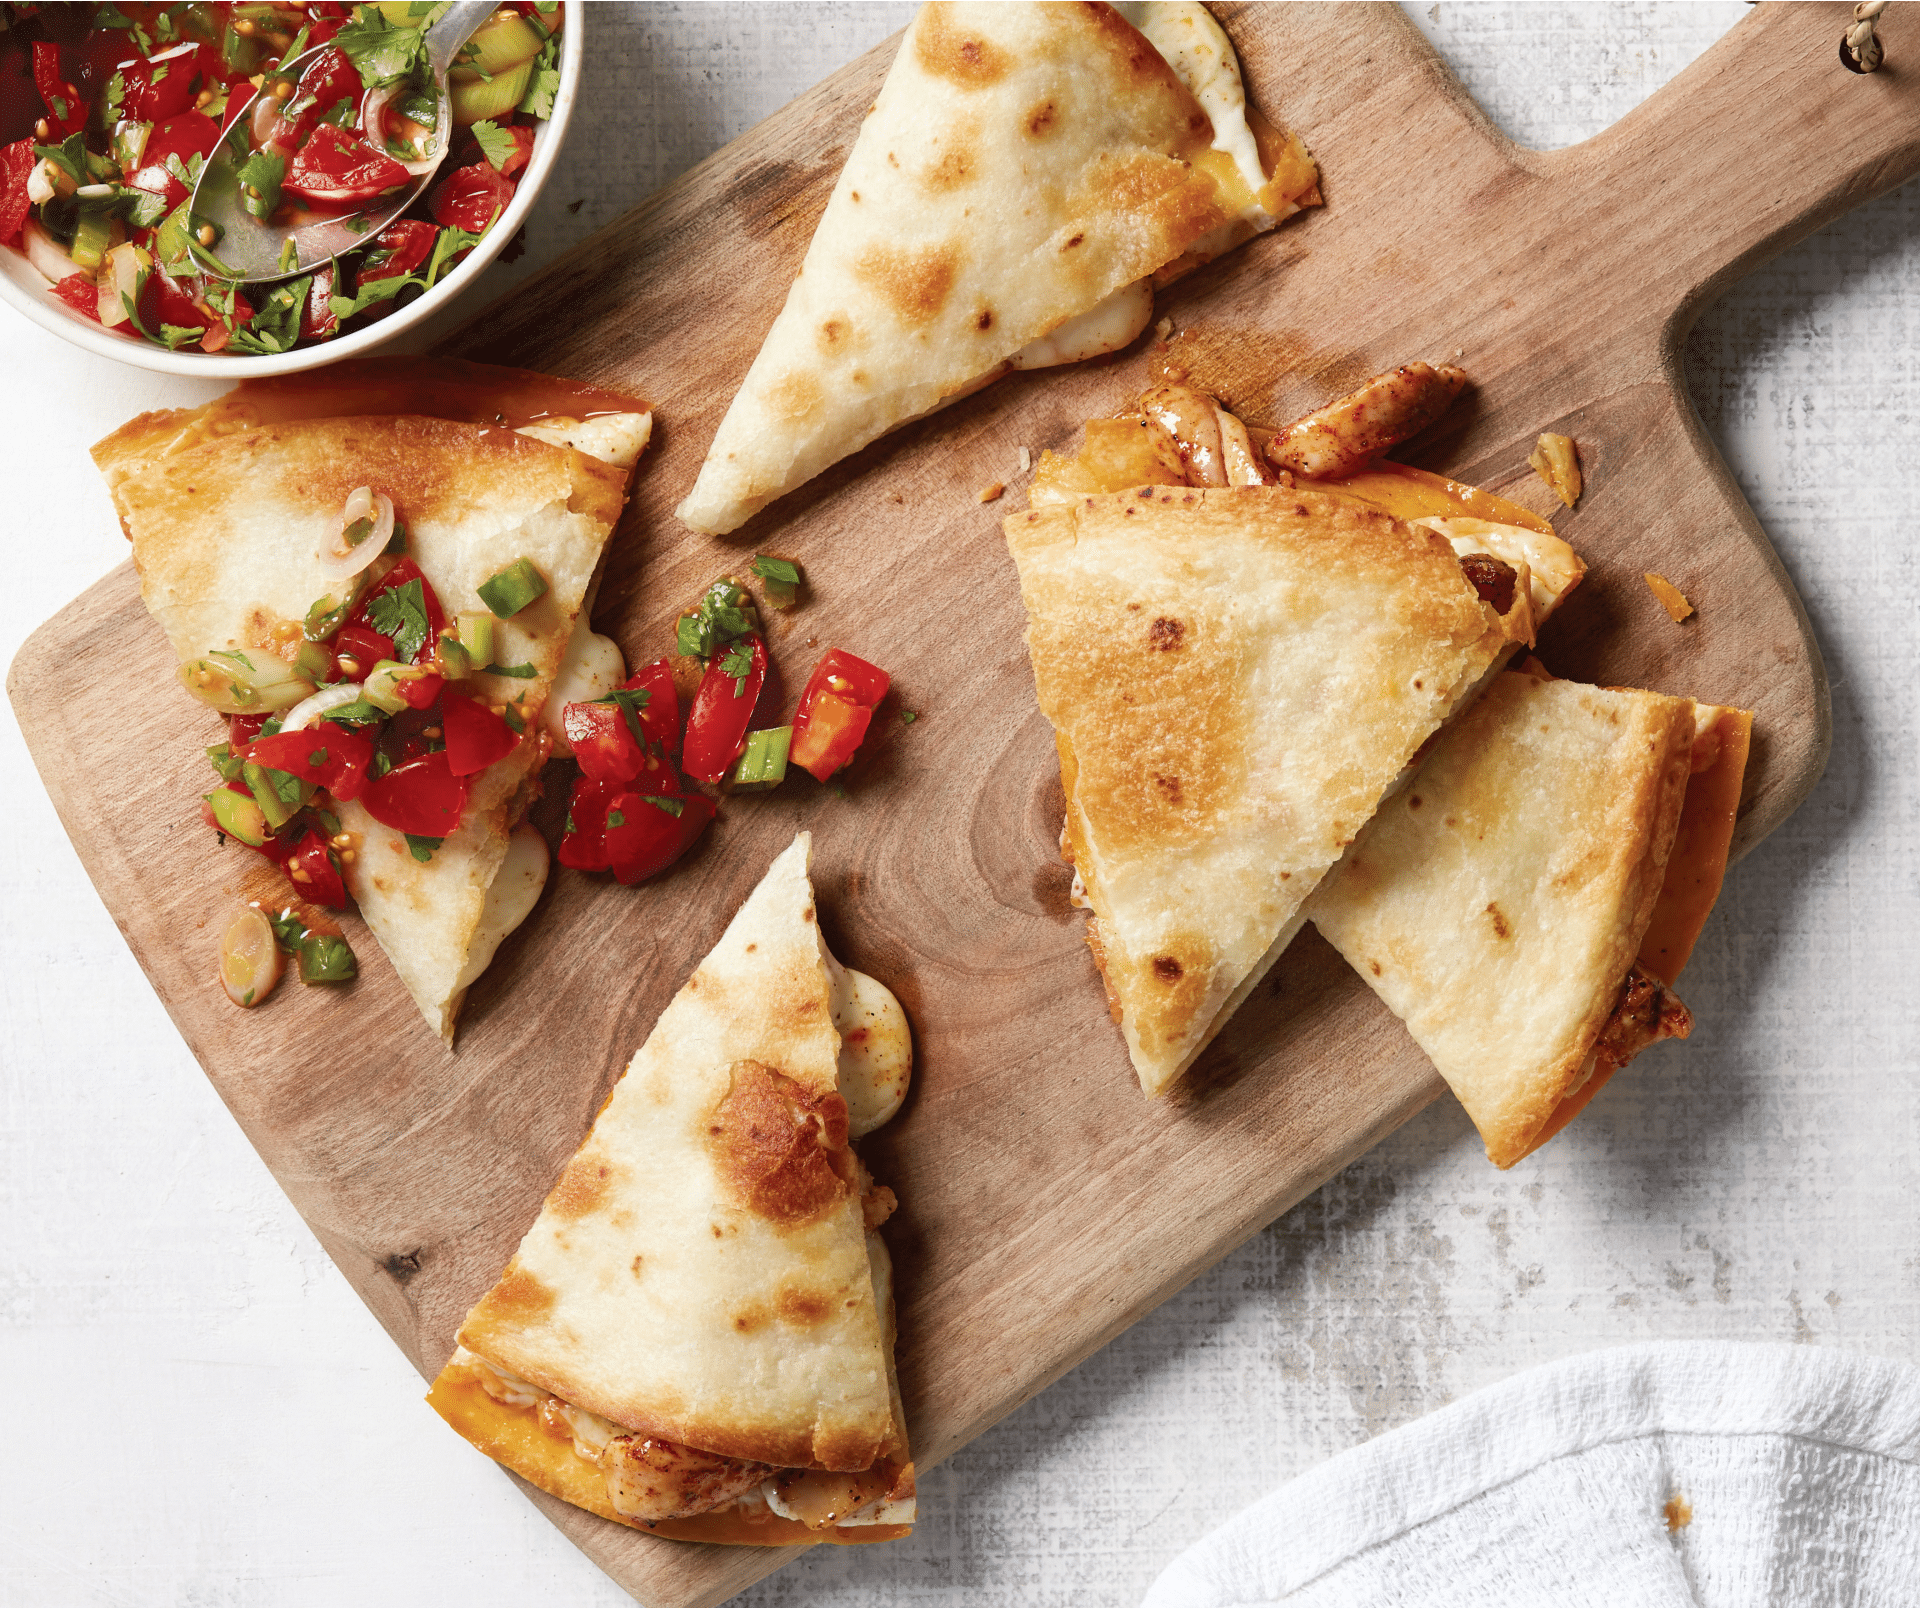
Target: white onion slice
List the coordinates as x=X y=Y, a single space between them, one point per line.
x=46 y=257
x=373 y=124
x=341 y=561
x=120 y=281
x=308 y=710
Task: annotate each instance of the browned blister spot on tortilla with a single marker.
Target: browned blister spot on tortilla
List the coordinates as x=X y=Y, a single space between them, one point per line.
x=834 y=334
x=1042 y=119
x=953 y=171
x=915 y=284
x=802 y=1306
x=1501 y=927
x=781 y=1152
x=949 y=51
x=1165 y=634
x=584 y=1187
x=795 y=395
x=1167 y=969
x=518 y=1301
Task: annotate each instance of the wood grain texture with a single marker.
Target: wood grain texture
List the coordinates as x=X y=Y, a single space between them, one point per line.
x=1044 y=1206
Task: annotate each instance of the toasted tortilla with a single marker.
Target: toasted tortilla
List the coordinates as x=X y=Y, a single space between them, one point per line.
x=1498 y=902
x=1023 y=164
x=1235 y=678
x=703 y=1271
x=227 y=523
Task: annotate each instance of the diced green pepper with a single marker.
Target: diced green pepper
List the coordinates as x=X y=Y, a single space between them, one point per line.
x=456 y=664
x=476 y=636
x=238 y=816
x=223 y=760
x=763 y=762
x=278 y=794
x=326 y=958
x=510 y=591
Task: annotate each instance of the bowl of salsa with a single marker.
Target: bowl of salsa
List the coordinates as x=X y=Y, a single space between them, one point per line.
x=108 y=114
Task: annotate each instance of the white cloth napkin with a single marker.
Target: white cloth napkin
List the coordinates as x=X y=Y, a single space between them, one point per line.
x=1790 y=1475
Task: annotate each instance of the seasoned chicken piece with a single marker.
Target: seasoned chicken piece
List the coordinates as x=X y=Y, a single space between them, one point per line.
x=651 y=1479
x=1193 y=420
x=1388 y=409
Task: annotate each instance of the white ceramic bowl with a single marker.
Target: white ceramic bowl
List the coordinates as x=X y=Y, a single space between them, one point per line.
x=24 y=287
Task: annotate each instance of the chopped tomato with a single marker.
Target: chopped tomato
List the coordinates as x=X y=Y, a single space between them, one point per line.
x=522 y=151
x=471 y=197
x=835 y=710
x=244 y=728
x=156 y=91
x=317 y=320
x=645 y=835
x=722 y=707
x=314 y=869
x=66 y=111
x=476 y=736
x=80 y=293
x=401 y=573
x=326 y=755
x=602 y=741
x=584 y=843
x=397 y=250
x=362 y=644
x=335 y=168
x=422 y=797
x=16 y=162
x=660 y=720
x=419 y=692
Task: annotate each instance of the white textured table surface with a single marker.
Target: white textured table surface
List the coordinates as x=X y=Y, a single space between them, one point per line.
x=202 y=1412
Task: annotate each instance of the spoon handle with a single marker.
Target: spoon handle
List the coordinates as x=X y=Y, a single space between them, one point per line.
x=457 y=24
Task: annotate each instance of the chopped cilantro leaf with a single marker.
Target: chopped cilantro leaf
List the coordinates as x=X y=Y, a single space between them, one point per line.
x=908 y=717
x=495 y=142
x=357 y=713
x=519 y=672
x=371 y=292
x=383 y=53
x=288 y=929
x=739 y=664
x=630 y=700
x=400 y=614
x=672 y=806
x=615 y=818
x=276 y=323
x=421 y=848
x=260 y=178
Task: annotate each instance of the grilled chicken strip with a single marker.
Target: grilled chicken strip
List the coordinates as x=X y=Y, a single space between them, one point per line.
x=1388 y=409
x=651 y=1479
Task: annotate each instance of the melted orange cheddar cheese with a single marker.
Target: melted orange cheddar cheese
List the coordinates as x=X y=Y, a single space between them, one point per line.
x=1409 y=493
x=1698 y=863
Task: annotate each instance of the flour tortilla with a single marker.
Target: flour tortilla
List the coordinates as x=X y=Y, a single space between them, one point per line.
x=678 y=1283
x=1235 y=678
x=1497 y=903
x=1022 y=164
x=226 y=535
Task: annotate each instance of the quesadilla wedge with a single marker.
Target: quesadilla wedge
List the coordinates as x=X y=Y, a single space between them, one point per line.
x=1524 y=905
x=1235 y=676
x=1026 y=176
x=695 y=1336
x=419 y=664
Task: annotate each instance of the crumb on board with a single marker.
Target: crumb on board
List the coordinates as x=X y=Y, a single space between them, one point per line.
x=1164 y=329
x=1555 y=462
x=1026 y=460
x=1679 y=1512
x=994 y=492
x=1672 y=599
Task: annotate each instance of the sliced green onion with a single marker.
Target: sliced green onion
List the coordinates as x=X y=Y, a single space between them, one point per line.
x=92 y=233
x=520 y=672
x=326 y=958
x=238 y=816
x=763 y=762
x=476 y=636
x=237 y=683
x=221 y=757
x=249 y=957
x=278 y=794
x=504 y=40
x=322 y=703
x=510 y=591
x=382 y=686
x=330 y=613
x=480 y=99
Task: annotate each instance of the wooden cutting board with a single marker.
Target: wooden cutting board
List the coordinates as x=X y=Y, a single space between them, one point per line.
x=1045 y=1204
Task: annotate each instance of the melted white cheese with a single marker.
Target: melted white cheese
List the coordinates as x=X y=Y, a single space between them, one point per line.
x=876 y=1046
x=1105 y=327
x=510 y=900
x=1550 y=565
x=1197 y=49
x=591 y=668
x=615 y=438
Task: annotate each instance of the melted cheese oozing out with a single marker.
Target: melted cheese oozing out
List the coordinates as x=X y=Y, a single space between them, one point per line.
x=614 y=438
x=1197 y=49
x=591 y=668
x=876 y=1047
x=1549 y=576
x=1105 y=327
x=510 y=900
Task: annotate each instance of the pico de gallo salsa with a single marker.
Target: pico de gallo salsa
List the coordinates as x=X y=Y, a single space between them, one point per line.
x=108 y=114
x=371 y=698
x=634 y=809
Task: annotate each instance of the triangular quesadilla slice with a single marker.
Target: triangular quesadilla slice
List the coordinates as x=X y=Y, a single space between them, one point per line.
x=233 y=520
x=695 y=1336
x=1520 y=904
x=1026 y=175
x=1236 y=677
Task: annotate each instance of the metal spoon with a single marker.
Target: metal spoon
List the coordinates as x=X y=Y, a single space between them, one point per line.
x=249 y=249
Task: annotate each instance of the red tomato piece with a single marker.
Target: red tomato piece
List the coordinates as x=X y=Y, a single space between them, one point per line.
x=401 y=573
x=722 y=707
x=335 y=168
x=602 y=741
x=422 y=797
x=175 y=301
x=66 y=111
x=362 y=644
x=317 y=320
x=80 y=293
x=16 y=162
x=421 y=691
x=646 y=835
x=836 y=708
x=522 y=151
x=476 y=736
x=584 y=843
x=189 y=135
x=471 y=197
x=660 y=720
x=157 y=90
x=244 y=728
x=330 y=79
x=398 y=249
x=327 y=755
x=156 y=180
x=314 y=870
